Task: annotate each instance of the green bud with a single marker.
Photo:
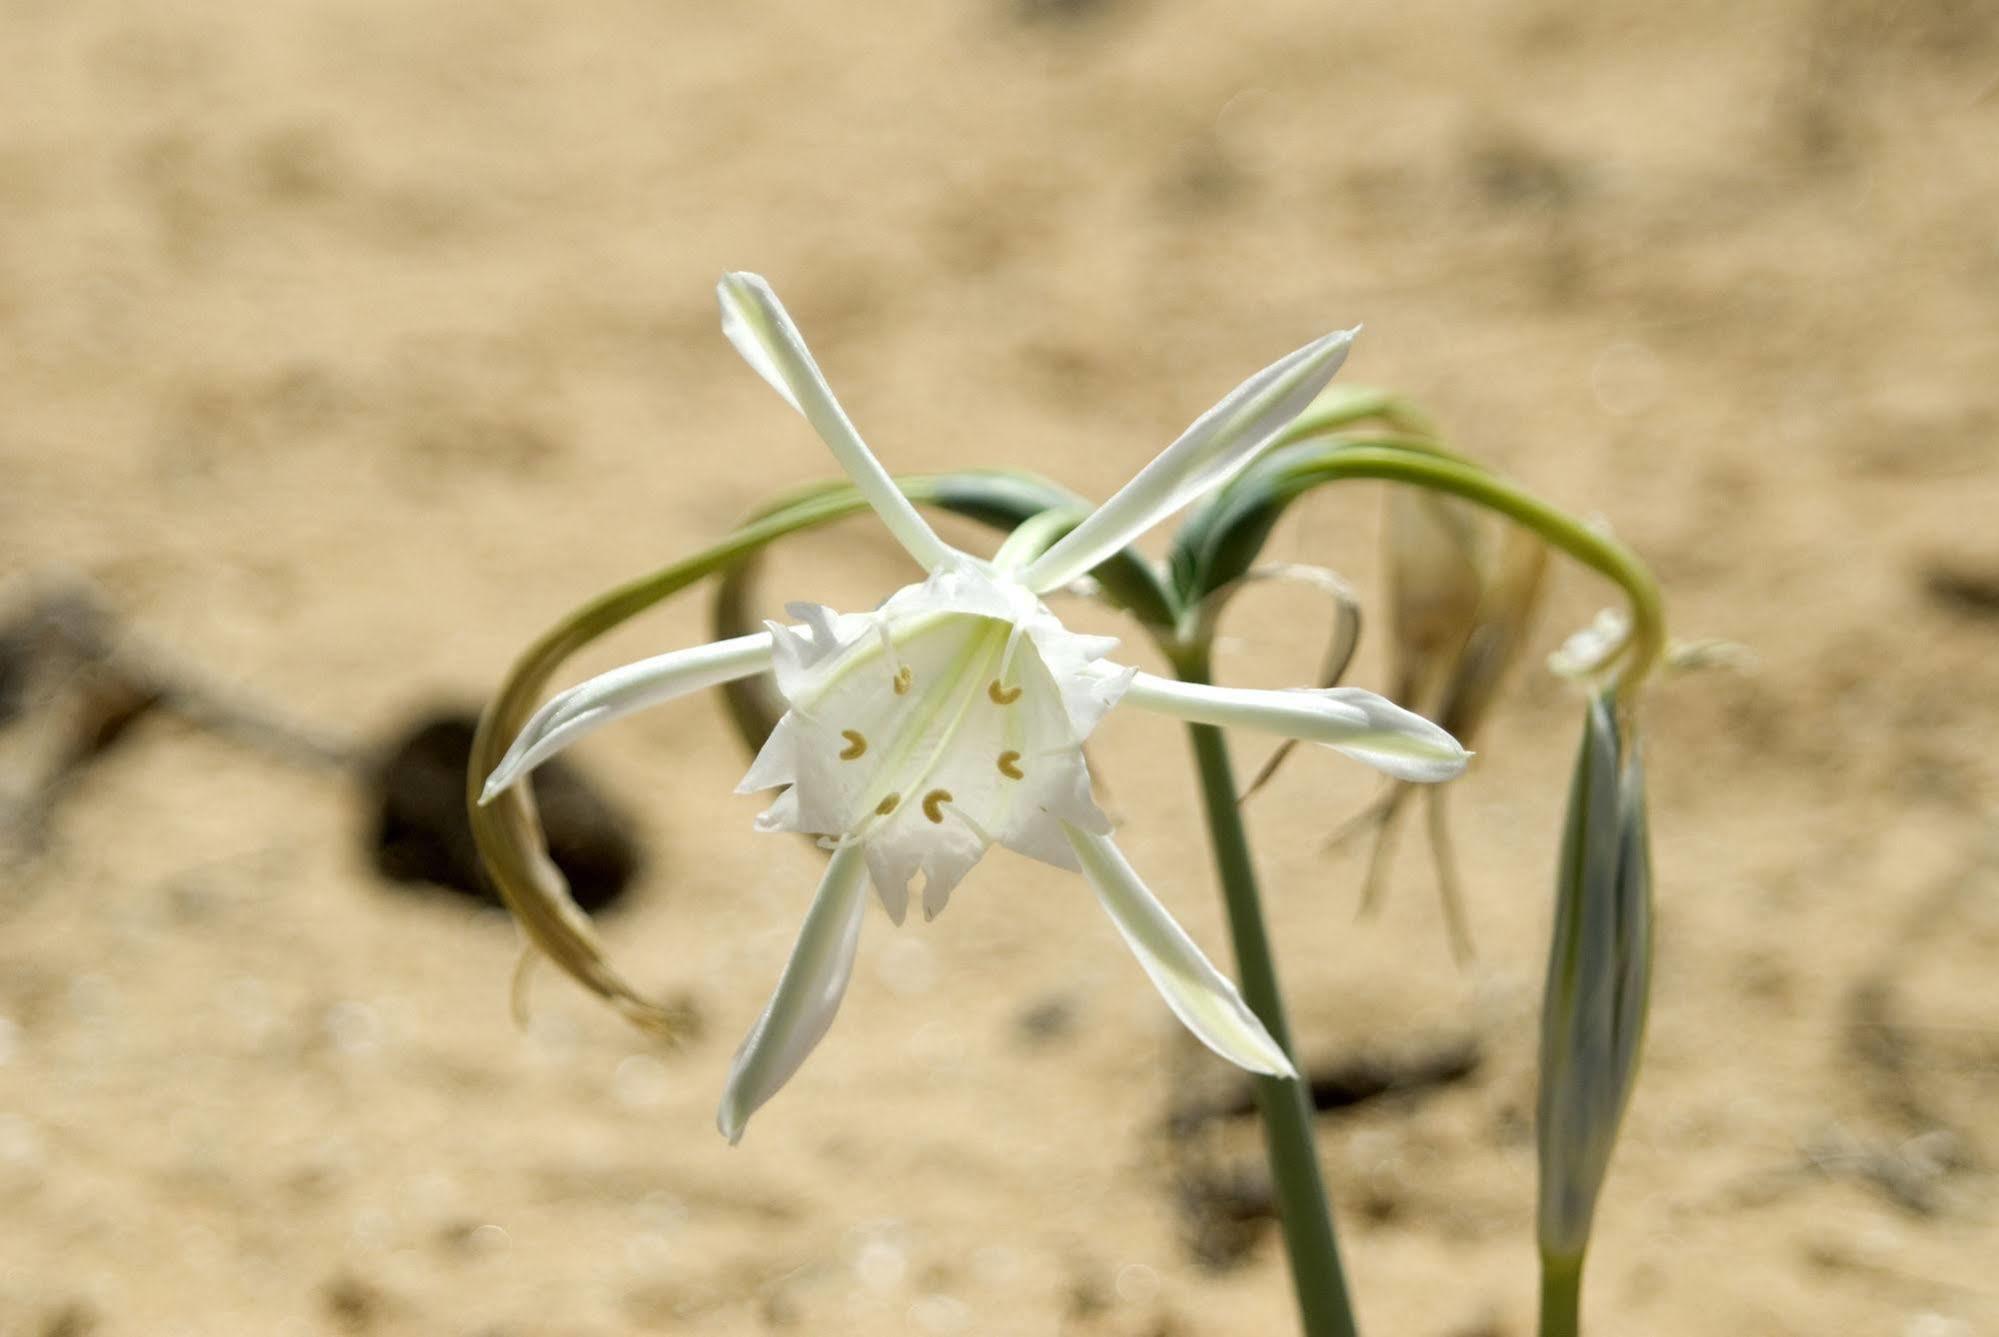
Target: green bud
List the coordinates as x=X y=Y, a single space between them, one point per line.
x=1599 y=979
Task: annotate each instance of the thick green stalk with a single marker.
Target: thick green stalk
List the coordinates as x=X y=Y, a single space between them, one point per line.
x=1286 y=1106
x=1561 y=1297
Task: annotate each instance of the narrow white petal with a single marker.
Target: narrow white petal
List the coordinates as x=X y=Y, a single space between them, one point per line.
x=1201 y=996
x=588 y=706
x=1363 y=725
x=1221 y=442
x=808 y=994
x=762 y=331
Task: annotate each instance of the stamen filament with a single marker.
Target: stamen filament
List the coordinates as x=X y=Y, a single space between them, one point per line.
x=901 y=676
x=1012 y=643
x=985 y=837
x=972 y=663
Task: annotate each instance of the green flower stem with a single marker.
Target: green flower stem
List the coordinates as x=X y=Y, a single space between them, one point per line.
x=1416 y=461
x=1561 y=1296
x=1286 y=1106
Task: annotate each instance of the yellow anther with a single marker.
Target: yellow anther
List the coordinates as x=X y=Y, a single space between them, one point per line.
x=1009 y=766
x=856 y=744
x=904 y=676
x=932 y=804
x=887 y=805
x=1002 y=696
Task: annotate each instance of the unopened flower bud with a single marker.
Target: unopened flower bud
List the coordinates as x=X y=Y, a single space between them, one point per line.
x=1599 y=981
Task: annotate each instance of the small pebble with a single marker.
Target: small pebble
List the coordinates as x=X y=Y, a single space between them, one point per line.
x=938 y=1047
x=1137 y=1284
x=647 y=1252
x=1932 y=1324
x=641 y=1082
x=880 y=1265
x=354 y=1028
x=20 y=1143
x=907 y=965
x=940 y=1313
x=1049 y=1019
x=489 y=1239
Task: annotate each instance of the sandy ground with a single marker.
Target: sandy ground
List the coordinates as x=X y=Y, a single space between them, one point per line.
x=346 y=345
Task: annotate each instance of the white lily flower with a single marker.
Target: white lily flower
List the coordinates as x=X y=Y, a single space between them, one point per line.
x=953 y=717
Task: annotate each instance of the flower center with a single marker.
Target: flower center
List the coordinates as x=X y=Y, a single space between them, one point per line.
x=948 y=721
x=904 y=707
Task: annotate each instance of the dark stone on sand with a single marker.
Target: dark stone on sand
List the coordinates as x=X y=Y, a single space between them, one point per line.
x=14 y=651
x=421 y=834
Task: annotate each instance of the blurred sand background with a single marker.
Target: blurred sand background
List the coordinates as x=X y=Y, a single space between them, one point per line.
x=345 y=345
